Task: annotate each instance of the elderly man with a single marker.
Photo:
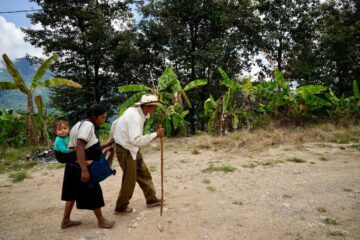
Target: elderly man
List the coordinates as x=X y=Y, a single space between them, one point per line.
x=129 y=137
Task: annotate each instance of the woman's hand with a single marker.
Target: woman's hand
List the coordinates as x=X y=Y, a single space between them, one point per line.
x=85 y=176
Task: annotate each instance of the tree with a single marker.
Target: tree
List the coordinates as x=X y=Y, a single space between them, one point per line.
x=288 y=26
x=82 y=33
x=198 y=36
x=339 y=45
x=37 y=81
x=171 y=93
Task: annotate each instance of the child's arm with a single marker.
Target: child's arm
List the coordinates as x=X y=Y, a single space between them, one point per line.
x=61 y=145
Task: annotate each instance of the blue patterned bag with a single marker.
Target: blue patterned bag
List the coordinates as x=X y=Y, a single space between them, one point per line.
x=99 y=171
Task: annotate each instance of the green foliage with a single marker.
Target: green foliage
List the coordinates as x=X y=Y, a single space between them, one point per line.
x=12 y=130
x=18 y=176
x=330 y=221
x=197 y=37
x=295 y=160
x=172 y=114
x=336 y=234
x=321 y=210
x=35 y=130
x=13 y=159
x=195 y=152
x=104 y=131
x=224 y=169
x=224 y=113
x=247 y=105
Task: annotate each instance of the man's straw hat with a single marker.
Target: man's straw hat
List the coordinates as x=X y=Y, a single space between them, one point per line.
x=149 y=99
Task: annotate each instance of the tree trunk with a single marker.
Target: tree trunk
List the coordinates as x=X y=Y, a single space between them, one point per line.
x=30 y=128
x=193 y=39
x=279 y=54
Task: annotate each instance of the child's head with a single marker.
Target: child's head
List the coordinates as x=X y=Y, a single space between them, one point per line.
x=61 y=128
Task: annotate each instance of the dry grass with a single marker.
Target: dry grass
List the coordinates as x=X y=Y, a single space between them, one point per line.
x=260 y=139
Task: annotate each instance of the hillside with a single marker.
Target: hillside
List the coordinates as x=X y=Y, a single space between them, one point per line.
x=14 y=99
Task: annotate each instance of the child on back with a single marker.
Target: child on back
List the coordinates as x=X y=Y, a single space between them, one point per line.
x=63 y=153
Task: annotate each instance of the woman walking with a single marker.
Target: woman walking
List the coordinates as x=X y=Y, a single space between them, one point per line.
x=76 y=176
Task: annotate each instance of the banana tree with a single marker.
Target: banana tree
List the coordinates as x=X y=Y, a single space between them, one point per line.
x=342 y=105
x=44 y=120
x=224 y=109
x=275 y=92
x=172 y=118
x=171 y=93
x=36 y=82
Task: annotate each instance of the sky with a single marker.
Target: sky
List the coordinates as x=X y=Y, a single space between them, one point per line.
x=11 y=37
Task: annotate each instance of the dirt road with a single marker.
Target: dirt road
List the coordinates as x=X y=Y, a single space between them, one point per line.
x=301 y=191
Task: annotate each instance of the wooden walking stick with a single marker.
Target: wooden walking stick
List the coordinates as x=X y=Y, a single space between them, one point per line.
x=162 y=172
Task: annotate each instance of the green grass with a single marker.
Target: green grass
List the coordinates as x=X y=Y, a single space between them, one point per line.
x=18 y=176
x=206 y=181
x=55 y=165
x=356 y=146
x=270 y=163
x=224 y=168
x=13 y=159
x=287 y=196
x=322 y=158
x=211 y=188
x=336 y=234
x=255 y=164
x=330 y=221
x=344 y=139
x=195 y=151
x=152 y=168
x=347 y=190
x=295 y=160
x=321 y=210
x=249 y=165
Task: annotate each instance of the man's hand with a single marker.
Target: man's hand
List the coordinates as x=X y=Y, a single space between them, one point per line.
x=85 y=176
x=160 y=132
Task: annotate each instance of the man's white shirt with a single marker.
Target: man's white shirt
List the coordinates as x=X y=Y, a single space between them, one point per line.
x=129 y=131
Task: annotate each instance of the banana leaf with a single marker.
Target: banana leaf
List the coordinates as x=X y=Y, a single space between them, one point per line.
x=356 y=90
x=231 y=84
x=169 y=78
x=310 y=89
x=134 y=88
x=7 y=85
x=42 y=70
x=130 y=101
x=56 y=82
x=18 y=80
x=195 y=83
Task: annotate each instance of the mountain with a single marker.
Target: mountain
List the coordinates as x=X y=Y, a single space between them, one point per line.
x=14 y=99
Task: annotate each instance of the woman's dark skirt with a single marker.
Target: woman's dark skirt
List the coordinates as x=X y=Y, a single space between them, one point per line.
x=75 y=190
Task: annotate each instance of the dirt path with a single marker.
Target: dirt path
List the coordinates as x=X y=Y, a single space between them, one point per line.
x=266 y=197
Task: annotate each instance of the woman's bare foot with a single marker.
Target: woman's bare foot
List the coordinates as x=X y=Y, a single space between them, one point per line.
x=69 y=223
x=104 y=223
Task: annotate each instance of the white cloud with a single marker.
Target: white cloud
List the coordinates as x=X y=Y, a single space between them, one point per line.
x=12 y=41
